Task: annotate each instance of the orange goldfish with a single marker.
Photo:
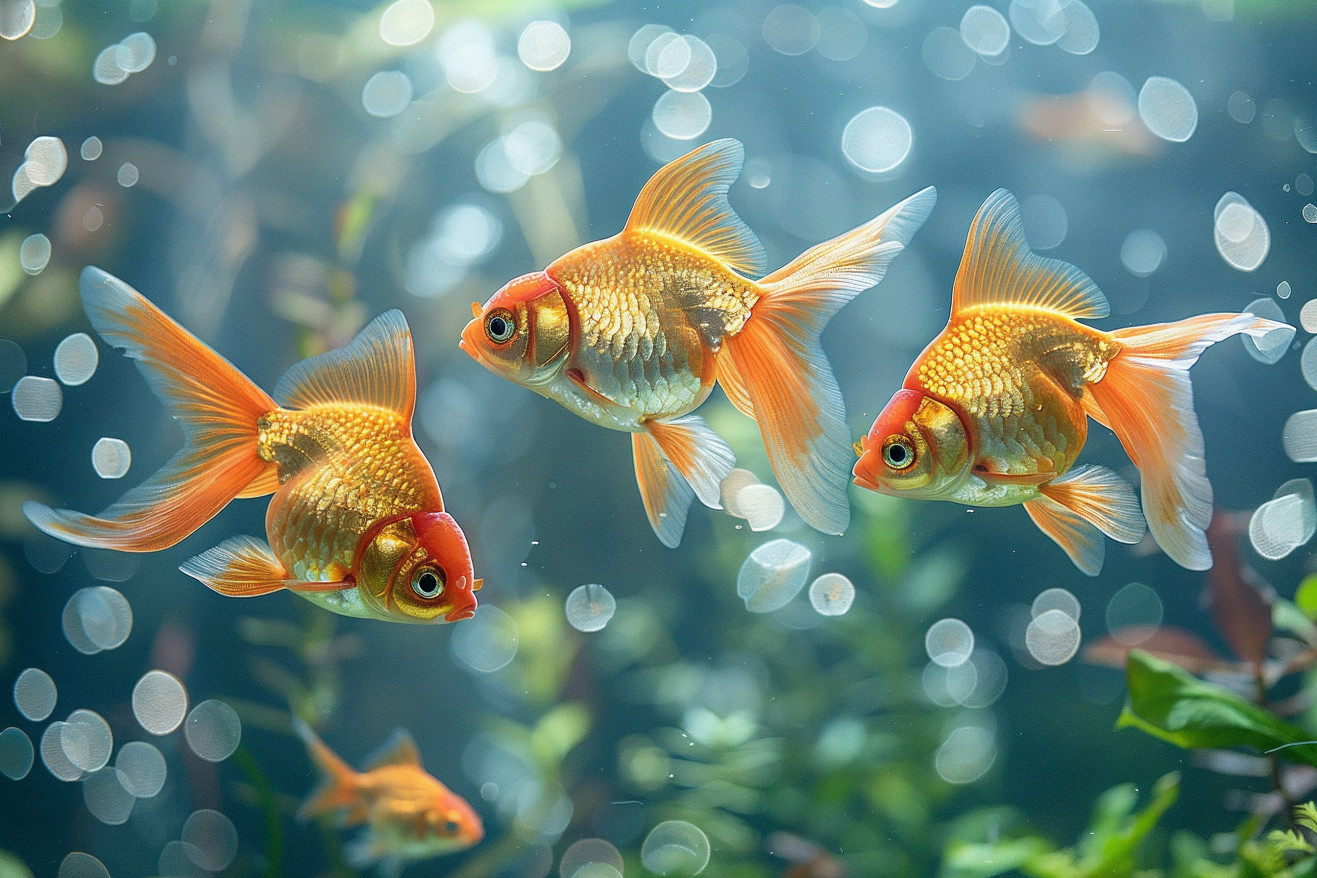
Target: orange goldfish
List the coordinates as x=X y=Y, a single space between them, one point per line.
x=408 y=814
x=995 y=410
x=632 y=332
x=356 y=523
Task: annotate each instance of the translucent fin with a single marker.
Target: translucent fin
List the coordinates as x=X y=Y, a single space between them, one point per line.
x=244 y=567
x=375 y=368
x=687 y=200
x=340 y=787
x=666 y=495
x=1081 y=540
x=700 y=455
x=734 y=385
x=998 y=268
x=1147 y=400
x=1102 y=498
x=399 y=749
x=217 y=406
x=790 y=385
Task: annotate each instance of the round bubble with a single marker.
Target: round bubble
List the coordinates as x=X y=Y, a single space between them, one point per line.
x=105 y=69
x=469 y=58
x=1308 y=316
x=1055 y=599
x=106 y=796
x=16 y=753
x=700 y=67
x=876 y=140
x=1273 y=346
x=761 y=506
x=791 y=29
x=1045 y=221
x=966 y=754
x=76 y=358
x=1299 y=435
x=1241 y=234
x=731 y=59
x=1052 y=638
x=675 y=847
x=842 y=35
x=772 y=575
x=946 y=55
x=543 y=45
x=406 y=22
x=990 y=676
x=596 y=870
x=1041 y=22
x=1308 y=363
x=34 y=694
x=1285 y=522
x=387 y=93
x=97 y=618
x=730 y=490
x=80 y=865
x=641 y=41
x=211 y=838
x=1283 y=290
x=111 y=458
x=495 y=171
x=985 y=30
x=1081 y=29
x=127 y=175
x=831 y=594
x=17 y=18
x=53 y=756
x=176 y=861
x=533 y=147
x=487 y=642
x=1133 y=613
x=1241 y=107
x=1310 y=213
x=1303 y=184
x=682 y=115
x=135 y=52
x=667 y=55
x=37 y=399
x=13 y=363
x=213 y=730
x=949 y=642
x=589 y=607
x=87 y=740
x=1142 y=252
x=588 y=852
x=142 y=769
x=46 y=160
x=34 y=253
x=1167 y=109
x=159 y=702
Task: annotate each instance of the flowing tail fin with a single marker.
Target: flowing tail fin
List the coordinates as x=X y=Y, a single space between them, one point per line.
x=779 y=371
x=217 y=406
x=340 y=787
x=1146 y=398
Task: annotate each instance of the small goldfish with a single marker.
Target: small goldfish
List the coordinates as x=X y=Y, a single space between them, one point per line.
x=632 y=332
x=356 y=523
x=995 y=410
x=408 y=814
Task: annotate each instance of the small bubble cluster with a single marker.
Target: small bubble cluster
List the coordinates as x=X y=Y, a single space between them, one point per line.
x=1285 y=522
x=133 y=54
x=675 y=847
x=1241 y=234
x=44 y=163
x=772 y=575
x=589 y=607
x=159 y=702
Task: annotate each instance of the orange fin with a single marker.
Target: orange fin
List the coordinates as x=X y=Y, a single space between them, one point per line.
x=376 y=368
x=998 y=268
x=675 y=462
x=1102 y=498
x=734 y=385
x=244 y=567
x=399 y=749
x=687 y=200
x=787 y=378
x=1081 y=540
x=1147 y=400
x=217 y=406
x=340 y=787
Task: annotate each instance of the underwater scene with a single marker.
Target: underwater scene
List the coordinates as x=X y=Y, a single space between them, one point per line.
x=324 y=325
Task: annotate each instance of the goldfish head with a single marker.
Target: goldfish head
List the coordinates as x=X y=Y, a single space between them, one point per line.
x=917 y=447
x=452 y=823
x=418 y=569
x=523 y=330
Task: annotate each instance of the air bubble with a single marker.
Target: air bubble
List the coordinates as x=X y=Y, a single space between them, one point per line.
x=596 y=870
x=111 y=458
x=1041 y=22
x=135 y=52
x=543 y=45
x=53 y=755
x=949 y=642
x=1167 y=109
x=1052 y=638
x=176 y=861
x=495 y=171
x=1285 y=522
x=159 y=702
x=1081 y=29
x=106 y=796
x=468 y=55
x=35 y=694
x=675 y=847
x=533 y=147
x=946 y=55
x=1241 y=107
x=127 y=175
x=1134 y=613
x=990 y=676
x=142 y=769
x=211 y=838
x=76 y=358
x=97 y=618
x=1310 y=213
x=46 y=160
x=842 y=35
x=1308 y=363
x=985 y=30
x=699 y=68
x=1299 y=435
x=589 y=607
x=877 y=140
x=638 y=46
x=588 y=852
x=406 y=22
x=772 y=575
x=831 y=594
x=1242 y=236
x=731 y=58
x=16 y=18
x=682 y=115
x=791 y=29
x=213 y=730
x=736 y=481
x=1308 y=316
x=761 y=506
x=386 y=94
x=16 y=753
x=105 y=69
x=37 y=399
x=80 y=865
x=1142 y=252
x=966 y=754
x=487 y=642
x=1055 y=599
x=34 y=253
x=1270 y=348
x=87 y=740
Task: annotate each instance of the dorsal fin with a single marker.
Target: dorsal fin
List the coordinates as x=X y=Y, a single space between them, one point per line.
x=399 y=749
x=375 y=368
x=687 y=199
x=998 y=268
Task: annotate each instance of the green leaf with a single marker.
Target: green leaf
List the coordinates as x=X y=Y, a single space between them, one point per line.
x=558 y=731
x=1305 y=814
x=1288 y=840
x=968 y=860
x=1169 y=703
x=1305 y=597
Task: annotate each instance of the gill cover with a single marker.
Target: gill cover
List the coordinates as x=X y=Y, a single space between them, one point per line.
x=916 y=445
x=522 y=331
x=419 y=568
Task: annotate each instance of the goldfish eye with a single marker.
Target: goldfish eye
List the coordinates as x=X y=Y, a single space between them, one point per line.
x=500 y=325
x=451 y=827
x=898 y=453
x=428 y=583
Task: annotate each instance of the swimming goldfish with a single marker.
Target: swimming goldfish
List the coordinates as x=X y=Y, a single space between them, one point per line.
x=995 y=410
x=356 y=525
x=408 y=814
x=633 y=331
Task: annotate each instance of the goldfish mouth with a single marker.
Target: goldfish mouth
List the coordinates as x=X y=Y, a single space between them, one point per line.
x=457 y=614
x=864 y=472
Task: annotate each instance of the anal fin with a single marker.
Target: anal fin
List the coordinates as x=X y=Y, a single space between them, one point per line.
x=1102 y=498
x=244 y=567
x=1080 y=539
x=676 y=461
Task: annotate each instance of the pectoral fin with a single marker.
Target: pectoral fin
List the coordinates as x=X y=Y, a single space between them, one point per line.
x=244 y=567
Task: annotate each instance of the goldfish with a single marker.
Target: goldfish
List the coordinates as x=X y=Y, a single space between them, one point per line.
x=408 y=814
x=356 y=524
x=633 y=331
x=995 y=411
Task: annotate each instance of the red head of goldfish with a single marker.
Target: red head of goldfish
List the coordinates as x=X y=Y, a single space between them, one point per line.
x=418 y=569
x=453 y=822
x=522 y=332
x=916 y=447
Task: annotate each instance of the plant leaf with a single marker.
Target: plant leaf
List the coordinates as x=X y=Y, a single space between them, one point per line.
x=1239 y=599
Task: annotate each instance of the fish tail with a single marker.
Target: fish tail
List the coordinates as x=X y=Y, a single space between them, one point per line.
x=217 y=406
x=1146 y=398
x=339 y=789
x=779 y=372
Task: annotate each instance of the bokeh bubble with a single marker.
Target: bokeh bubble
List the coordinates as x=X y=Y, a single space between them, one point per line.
x=966 y=754
x=533 y=147
x=842 y=33
x=106 y=70
x=1299 y=435
x=1081 y=29
x=1308 y=316
x=1167 y=109
x=1310 y=213
x=730 y=490
x=16 y=753
x=699 y=67
x=127 y=175
x=877 y=140
x=176 y=861
x=831 y=594
x=1285 y=522
x=111 y=458
x=387 y=93
x=87 y=740
x=1142 y=252
x=46 y=160
x=211 y=839
x=106 y=797
x=761 y=506
x=946 y=55
x=985 y=30
x=80 y=865
x=53 y=755
x=159 y=702
x=949 y=642
x=589 y=607
x=1241 y=107
x=791 y=29
x=142 y=768
x=97 y=618
x=487 y=642
x=1133 y=613
x=35 y=694
x=1308 y=363
x=37 y=399
x=213 y=730
x=597 y=870
x=731 y=59
x=543 y=45
x=17 y=18
x=1055 y=599
x=1273 y=346
x=1041 y=22
x=76 y=358
x=682 y=115
x=675 y=847
x=406 y=22
x=34 y=253
x=1045 y=221
x=990 y=678
x=1052 y=637
x=641 y=41
x=587 y=852
x=135 y=52
x=1241 y=234
x=772 y=575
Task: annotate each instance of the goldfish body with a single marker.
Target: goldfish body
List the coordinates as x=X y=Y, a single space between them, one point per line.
x=356 y=523
x=408 y=814
x=995 y=410
x=632 y=332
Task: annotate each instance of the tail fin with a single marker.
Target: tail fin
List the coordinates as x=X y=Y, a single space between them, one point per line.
x=217 y=406
x=1146 y=398
x=787 y=380
x=340 y=787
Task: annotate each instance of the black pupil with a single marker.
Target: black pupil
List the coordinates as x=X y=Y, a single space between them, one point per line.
x=427 y=584
x=896 y=454
x=499 y=328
